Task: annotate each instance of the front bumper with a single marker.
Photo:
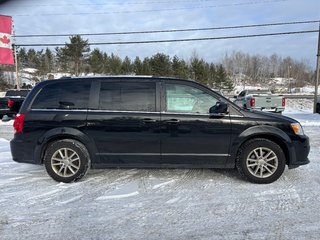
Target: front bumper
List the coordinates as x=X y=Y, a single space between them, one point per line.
x=299 y=152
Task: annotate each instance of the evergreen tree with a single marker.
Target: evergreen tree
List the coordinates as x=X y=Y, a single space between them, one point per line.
x=146 y=69
x=33 y=58
x=115 y=63
x=62 y=59
x=126 y=67
x=137 y=66
x=106 y=64
x=76 y=54
x=160 y=65
x=49 y=60
x=200 y=70
x=212 y=75
x=96 y=61
x=179 y=68
x=23 y=57
x=222 y=79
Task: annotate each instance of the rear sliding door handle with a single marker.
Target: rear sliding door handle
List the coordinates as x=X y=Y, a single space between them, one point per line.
x=173 y=121
x=149 y=120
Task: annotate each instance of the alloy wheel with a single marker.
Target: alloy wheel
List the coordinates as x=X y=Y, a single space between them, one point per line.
x=262 y=162
x=65 y=162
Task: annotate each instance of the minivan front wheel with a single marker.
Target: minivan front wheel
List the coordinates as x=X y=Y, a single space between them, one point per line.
x=66 y=160
x=260 y=161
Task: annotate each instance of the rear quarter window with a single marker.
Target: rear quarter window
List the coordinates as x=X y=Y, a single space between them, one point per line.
x=63 y=95
x=128 y=96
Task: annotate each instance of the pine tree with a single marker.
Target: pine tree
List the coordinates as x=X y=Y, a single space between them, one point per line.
x=199 y=70
x=179 y=68
x=160 y=65
x=146 y=69
x=23 y=57
x=115 y=64
x=126 y=67
x=96 y=61
x=212 y=75
x=76 y=53
x=137 y=66
x=222 y=80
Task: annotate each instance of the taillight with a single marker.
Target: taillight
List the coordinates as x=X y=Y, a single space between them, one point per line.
x=283 y=102
x=18 y=123
x=10 y=103
x=252 y=102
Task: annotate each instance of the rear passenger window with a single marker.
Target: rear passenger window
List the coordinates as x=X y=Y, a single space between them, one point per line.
x=63 y=95
x=128 y=96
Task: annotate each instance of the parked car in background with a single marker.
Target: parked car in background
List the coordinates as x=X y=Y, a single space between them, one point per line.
x=70 y=125
x=262 y=100
x=10 y=104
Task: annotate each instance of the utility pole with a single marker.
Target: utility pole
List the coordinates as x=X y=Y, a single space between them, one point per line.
x=17 y=70
x=16 y=59
x=317 y=76
x=289 y=67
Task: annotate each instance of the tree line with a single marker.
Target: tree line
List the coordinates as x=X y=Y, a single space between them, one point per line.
x=260 y=69
x=77 y=58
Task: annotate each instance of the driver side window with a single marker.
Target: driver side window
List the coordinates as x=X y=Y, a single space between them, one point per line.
x=186 y=99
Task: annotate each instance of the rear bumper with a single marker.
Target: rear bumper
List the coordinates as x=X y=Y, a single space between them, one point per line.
x=21 y=151
x=299 y=152
x=273 y=109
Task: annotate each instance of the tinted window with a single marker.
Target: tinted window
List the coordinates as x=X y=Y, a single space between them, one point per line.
x=63 y=95
x=186 y=99
x=128 y=96
x=17 y=93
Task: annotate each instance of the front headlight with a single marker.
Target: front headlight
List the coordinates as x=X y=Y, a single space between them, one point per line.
x=297 y=128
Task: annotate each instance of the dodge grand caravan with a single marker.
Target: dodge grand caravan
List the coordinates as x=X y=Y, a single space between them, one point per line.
x=70 y=125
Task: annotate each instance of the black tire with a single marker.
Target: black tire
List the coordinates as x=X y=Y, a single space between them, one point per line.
x=67 y=160
x=260 y=160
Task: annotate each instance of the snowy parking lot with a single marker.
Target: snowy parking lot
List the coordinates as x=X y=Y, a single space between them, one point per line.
x=161 y=203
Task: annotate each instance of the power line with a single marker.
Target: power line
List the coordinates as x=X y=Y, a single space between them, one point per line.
x=171 y=30
x=117 y=3
x=155 y=10
x=175 y=40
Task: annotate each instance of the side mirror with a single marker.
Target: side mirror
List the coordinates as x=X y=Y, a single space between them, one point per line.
x=220 y=108
x=235 y=96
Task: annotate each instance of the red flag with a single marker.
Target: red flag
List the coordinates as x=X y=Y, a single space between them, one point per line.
x=6 y=56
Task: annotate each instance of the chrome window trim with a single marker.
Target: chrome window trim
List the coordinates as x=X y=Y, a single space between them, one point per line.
x=166 y=154
x=119 y=111
x=89 y=110
x=58 y=110
x=116 y=111
x=186 y=113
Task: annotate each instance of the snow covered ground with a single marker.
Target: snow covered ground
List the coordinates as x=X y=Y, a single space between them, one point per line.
x=161 y=203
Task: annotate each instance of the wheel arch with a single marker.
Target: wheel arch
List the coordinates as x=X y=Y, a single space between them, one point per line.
x=57 y=134
x=266 y=132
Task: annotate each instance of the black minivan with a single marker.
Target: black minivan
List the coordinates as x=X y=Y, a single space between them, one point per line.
x=72 y=124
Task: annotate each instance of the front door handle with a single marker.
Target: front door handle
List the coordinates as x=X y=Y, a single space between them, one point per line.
x=173 y=121
x=149 y=120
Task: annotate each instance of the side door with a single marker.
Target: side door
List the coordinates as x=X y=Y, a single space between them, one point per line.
x=190 y=135
x=124 y=122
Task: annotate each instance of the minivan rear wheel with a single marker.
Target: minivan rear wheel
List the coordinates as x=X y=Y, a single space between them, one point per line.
x=260 y=161
x=67 y=160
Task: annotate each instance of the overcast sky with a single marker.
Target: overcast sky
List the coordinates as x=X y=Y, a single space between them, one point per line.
x=96 y=16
